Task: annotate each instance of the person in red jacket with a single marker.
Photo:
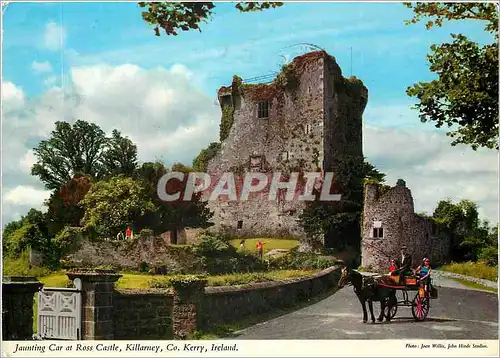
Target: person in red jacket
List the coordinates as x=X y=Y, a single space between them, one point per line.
x=393 y=266
x=260 y=249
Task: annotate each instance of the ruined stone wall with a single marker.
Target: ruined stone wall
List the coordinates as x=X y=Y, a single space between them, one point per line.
x=394 y=212
x=294 y=126
x=130 y=255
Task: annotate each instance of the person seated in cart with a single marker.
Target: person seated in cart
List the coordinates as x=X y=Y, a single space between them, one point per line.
x=424 y=272
x=393 y=268
x=405 y=264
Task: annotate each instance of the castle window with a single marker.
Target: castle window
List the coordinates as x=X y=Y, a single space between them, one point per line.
x=378 y=232
x=433 y=228
x=240 y=224
x=284 y=155
x=226 y=100
x=263 y=109
x=307 y=128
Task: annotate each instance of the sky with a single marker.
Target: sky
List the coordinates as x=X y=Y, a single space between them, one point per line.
x=100 y=62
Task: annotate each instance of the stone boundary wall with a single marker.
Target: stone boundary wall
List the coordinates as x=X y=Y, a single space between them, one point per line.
x=142 y=314
x=223 y=305
x=156 y=314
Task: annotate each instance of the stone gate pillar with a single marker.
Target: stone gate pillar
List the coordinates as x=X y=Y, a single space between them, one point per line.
x=97 y=302
x=17 y=307
x=186 y=313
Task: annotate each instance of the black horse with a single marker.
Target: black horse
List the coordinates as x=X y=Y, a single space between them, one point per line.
x=367 y=289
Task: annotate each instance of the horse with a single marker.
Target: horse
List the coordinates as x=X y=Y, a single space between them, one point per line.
x=367 y=289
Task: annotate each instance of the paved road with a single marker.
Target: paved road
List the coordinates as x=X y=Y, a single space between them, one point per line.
x=456 y=314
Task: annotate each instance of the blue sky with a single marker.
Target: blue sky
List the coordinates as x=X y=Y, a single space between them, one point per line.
x=101 y=54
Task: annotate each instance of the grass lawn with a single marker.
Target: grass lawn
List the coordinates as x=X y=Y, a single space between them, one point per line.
x=269 y=244
x=473 y=269
x=474 y=285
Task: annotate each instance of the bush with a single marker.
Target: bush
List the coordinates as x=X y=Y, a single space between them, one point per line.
x=217 y=256
x=489 y=255
x=295 y=260
x=143 y=267
x=20 y=266
x=145 y=233
x=231 y=279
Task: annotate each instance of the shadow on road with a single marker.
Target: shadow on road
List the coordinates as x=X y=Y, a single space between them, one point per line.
x=234 y=330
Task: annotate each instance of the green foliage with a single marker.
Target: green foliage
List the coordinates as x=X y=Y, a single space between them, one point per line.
x=477 y=269
x=145 y=233
x=82 y=149
x=201 y=161
x=20 y=266
x=371 y=173
x=489 y=255
x=211 y=246
x=66 y=240
x=71 y=149
x=295 y=260
x=110 y=205
x=465 y=95
x=226 y=122
x=287 y=79
x=121 y=156
x=171 y=215
x=14 y=242
x=229 y=279
x=218 y=256
x=339 y=223
x=172 y=17
x=461 y=223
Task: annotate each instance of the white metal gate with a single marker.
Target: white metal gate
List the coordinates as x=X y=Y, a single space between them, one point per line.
x=59 y=312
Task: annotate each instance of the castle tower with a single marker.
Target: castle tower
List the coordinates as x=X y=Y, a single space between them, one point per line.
x=308 y=119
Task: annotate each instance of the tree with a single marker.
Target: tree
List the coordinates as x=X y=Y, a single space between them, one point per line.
x=465 y=95
x=120 y=156
x=372 y=173
x=462 y=224
x=338 y=223
x=172 y=216
x=172 y=17
x=110 y=205
x=82 y=149
x=30 y=231
x=63 y=204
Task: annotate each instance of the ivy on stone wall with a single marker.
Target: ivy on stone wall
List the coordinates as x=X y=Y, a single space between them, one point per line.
x=226 y=122
x=201 y=161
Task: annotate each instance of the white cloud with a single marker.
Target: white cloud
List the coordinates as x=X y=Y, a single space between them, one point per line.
x=160 y=110
x=54 y=36
x=50 y=81
x=26 y=195
x=433 y=169
x=27 y=161
x=12 y=96
x=41 y=67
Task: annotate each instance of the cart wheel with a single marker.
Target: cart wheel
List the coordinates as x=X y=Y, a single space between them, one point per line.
x=392 y=311
x=420 y=307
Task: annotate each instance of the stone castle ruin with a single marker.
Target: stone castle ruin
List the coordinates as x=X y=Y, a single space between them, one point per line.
x=308 y=119
x=389 y=222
